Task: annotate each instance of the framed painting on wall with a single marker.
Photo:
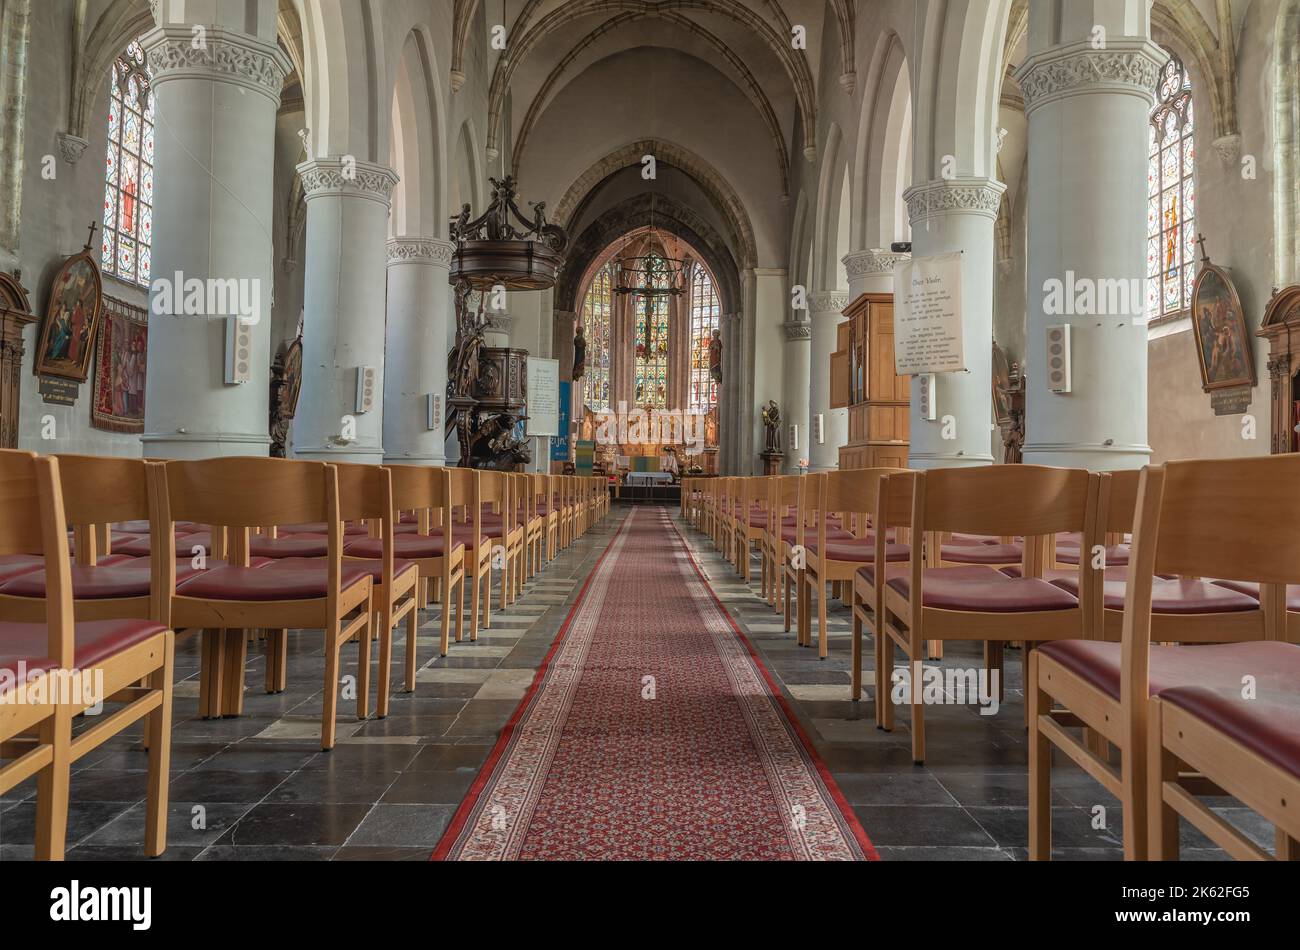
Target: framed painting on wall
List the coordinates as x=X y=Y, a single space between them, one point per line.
x=121 y=352
x=64 y=348
x=1223 y=347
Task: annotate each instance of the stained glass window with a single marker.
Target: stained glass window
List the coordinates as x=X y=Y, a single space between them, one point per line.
x=128 y=188
x=597 y=309
x=703 y=394
x=1171 y=195
x=650 y=339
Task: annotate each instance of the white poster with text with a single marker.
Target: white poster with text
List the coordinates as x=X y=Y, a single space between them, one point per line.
x=543 y=397
x=927 y=316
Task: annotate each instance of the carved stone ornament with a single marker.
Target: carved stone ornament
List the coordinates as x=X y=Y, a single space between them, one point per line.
x=175 y=51
x=871 y=263
x=797 y=330
x=343 y=176
x=1127 y=66
x=72 y=147
x=418 y=250
x=953 y=196
x=828 y=301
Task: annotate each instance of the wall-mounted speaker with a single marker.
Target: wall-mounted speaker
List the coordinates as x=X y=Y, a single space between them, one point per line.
x=365 y=388
x=433 y=409
x=794 y=437
x=819 y=429
x=239 y=351
x=1058 y=358
x=929 y=406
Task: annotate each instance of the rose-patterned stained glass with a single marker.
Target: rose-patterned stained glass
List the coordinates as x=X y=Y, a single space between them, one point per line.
x=650 y=342
x=1171 y=211
x=597 y=316
x=128 y=170
x=703 y=394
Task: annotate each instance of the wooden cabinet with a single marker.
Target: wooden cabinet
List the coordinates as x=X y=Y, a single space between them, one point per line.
x=877 y=398
x=1281 y=327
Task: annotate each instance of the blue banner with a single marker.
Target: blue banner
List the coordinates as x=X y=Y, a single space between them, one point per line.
x=560 y=444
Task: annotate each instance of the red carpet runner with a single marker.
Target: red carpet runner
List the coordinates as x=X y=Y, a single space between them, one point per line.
x=701 y=762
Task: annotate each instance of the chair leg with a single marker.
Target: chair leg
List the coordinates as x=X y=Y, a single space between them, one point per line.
x=805 y=610
x=785 y=583
x=916 y=695
x=52 y=785
x=363 y=670
x=821 y=618
x=386 y=662
x=1040 y=768
x=474 y=606
x=331 y=697
x=1162 y=821
x=444 y=624
x=1134 y=800
x=159 y=731
x=885 y=678
x=855 y=673
x=412 y=650
x=487 y=602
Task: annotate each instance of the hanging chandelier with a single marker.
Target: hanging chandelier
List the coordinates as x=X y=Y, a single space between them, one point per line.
x=650 y=275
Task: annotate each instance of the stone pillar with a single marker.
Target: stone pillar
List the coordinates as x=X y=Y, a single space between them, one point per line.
x=797 y=390
x=212 y=222
x=825 y=313
x=731 y=416
x=958 y=215
x=347 y=230
x=15 y=31
x=1087 y=110
x=872 y=272
x=415 y=362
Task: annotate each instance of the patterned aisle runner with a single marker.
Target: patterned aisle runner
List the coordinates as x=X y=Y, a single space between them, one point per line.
x=652 y=731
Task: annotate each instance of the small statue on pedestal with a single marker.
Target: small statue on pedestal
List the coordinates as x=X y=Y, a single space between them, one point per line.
x=772 y=425
x=715 y=357
x=579 y=354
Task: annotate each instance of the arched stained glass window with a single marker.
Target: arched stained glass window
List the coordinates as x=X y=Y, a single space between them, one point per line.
x=597 y=310
x=128 y=190
x=1171 y=195
x=650 y=339
x=703 y=394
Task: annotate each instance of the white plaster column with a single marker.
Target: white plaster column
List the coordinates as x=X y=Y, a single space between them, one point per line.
x=731 y=413
x=347 y=230
x=1088 y=125
x=212 y=222
x=825 y=313
x=15 y=32
x=415 y=362
x=872 y=272
x=796 y=390
x=958 y=215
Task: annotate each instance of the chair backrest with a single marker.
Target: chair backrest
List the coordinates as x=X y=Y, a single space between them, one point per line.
x=240 y=493
x=1231 y=519
x=850 y=493
x=100 y=491
x=1121 y=505
x=32 y=520
x=494 y=493
x=1004 y=499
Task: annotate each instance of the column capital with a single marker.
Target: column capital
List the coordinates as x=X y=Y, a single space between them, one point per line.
x=1128 y=65
x=797 y=330
x=827 y=302
x=871 y=263
x=981 y=196
x=338 y=177
x=223 y=56
x=420 y=250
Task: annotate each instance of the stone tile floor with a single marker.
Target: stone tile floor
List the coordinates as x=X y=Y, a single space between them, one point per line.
x=259 y=788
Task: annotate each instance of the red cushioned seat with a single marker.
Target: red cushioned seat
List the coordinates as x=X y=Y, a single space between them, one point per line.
x=139 y=546
x=1251 y=589
x=965 y=540
x=373 y=567
x=406 y=528
x=982 y=553
x=789 y=534
x=861 y=550
x=297 y=545
x=1171 y=596
x=105 y=581
x=1218 y=666
x=1269 y=728
x=115 y=538
x=464 y=534
x=15 y=565
x=307 y=582
x=404 y=545
x=185 y=546
x=984 y=590
x=140 y=526
x=1116 y=555
x=95 y=640
x=1052 y=575
x=892 y=569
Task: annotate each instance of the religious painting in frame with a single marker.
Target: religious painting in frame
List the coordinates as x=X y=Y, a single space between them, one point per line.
x=66 y=344
x=1223 y=347
x=121 y=352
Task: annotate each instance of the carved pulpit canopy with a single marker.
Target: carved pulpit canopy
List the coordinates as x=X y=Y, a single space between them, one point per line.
x=502 y=248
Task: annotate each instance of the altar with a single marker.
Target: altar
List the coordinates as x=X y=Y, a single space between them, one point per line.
x=648 y=479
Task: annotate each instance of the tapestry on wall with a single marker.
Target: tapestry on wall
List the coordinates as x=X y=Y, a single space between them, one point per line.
x=120 y=354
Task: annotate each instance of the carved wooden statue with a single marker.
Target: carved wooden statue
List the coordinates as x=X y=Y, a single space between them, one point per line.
x=772 y=427
x=579 y=353
x=715 y=357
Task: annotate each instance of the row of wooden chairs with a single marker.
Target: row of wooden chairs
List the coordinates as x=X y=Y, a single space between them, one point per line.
x=227 y=546
x=1040 y=557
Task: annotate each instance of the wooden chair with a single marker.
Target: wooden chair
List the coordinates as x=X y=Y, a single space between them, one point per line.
x=892 y=510
x=978 y=602
x=782 y=510
x=502 y=523
x=1232 y=518
x=468 y=529
x=750 y=521
x=830 y=556
x=317 y=594
x=122 y=660
x=535 y=523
